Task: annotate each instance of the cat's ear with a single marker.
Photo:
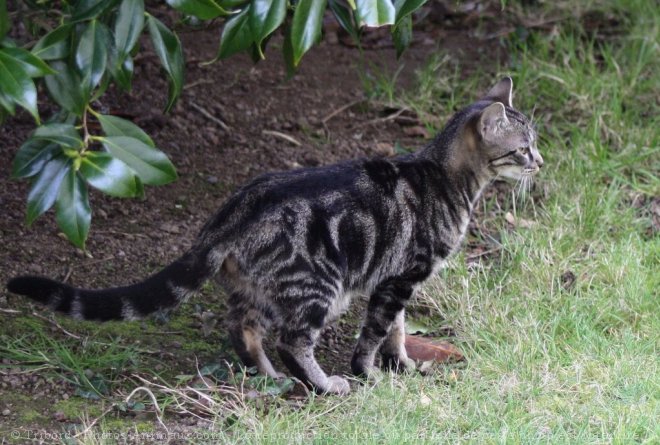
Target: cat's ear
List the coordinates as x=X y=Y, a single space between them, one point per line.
x=502 y=91
x=492 y=119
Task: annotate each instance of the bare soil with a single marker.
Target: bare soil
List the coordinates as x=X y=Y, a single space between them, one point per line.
x=270 y=123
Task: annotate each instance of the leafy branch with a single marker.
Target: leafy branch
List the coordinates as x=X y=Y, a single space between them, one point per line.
x=84 y=46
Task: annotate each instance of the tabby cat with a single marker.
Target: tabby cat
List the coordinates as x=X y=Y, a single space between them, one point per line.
x=293 y=248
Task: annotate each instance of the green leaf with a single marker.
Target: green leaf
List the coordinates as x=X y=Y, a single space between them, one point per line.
x=92 y=53
x=33 y=66
x=116 y=126
x=110 y=175
x=230 y=4
x=62 y=134
x=122 y=73
x=53 y=45
x=32 y=156
x=73 y=214
x=203 y=9
x=306 y=27
x=16 y=85
x=375 y=12
x=128 y=27
x=90 y=9
x=168 y=48
x=66 y=88
x=404 y=8
x=402 y=35
x=46 y=186
x=265 y=17
x=344 y=16
x=7 y=104
x=236 y=35
x=4 y=19
x=151 y=165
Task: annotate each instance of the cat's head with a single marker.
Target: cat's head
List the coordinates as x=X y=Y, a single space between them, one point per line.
x=507 y=139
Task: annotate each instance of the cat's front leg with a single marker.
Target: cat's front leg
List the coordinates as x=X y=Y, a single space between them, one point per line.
x=393 y=350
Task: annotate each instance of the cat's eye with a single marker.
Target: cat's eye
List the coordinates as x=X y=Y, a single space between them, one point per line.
x=523 y=150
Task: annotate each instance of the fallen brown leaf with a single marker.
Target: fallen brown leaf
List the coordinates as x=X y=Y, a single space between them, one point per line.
x=519 y=222
x=425 y=349
x=417 y=131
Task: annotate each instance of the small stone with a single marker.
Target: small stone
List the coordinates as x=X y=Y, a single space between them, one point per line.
x=384 y=148
x=6 y=412
x=212 y=179
x=169 y=228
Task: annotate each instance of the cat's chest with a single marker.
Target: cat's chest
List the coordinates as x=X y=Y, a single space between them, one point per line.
x=451 y=236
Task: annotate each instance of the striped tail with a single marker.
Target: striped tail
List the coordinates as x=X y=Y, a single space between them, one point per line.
x=165 y=289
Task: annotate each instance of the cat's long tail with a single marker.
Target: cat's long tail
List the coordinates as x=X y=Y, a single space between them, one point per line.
x=165 y=289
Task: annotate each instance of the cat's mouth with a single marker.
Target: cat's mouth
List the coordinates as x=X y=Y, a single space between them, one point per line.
x=517 y=173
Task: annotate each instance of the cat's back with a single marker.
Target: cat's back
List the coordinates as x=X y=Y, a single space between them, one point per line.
x=274 y=194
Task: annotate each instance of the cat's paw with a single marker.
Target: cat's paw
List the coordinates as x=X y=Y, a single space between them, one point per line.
x=372 y=373
x=337 y=385
x=397 y=363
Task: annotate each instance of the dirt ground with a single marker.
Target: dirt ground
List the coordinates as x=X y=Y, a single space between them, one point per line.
x=319 y=112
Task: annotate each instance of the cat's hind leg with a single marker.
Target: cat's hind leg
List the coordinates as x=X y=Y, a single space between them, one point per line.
x=296 y=349
x=247 y=327
x=385 y=305
x=393 y=350
x=299 y=331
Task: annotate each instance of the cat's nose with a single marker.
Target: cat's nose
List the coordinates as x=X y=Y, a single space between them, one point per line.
x=539 y=161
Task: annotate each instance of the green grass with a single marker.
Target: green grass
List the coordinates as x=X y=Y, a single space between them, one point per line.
x=548 y=360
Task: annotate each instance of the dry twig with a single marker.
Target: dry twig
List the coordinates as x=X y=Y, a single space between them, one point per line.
x=209 y=116
x=284 y=136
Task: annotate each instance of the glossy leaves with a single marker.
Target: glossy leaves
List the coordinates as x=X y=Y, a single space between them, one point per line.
x=110 y=175
x=402 y=35
x=33 y=66
x=16 y=86
x=202 y=9
x=73 y=213
x=128 y=26
x=236 y=35
x=404 y=8
x=63 y=134
x=116 y=126
x=92 y=53
x=150 y=164
x=66 y=88
x=53 y=45
x=306 y=27
x=168 y=49
x=345 y=17
x=46 y=186
x=265 y=17
x=32 y=156
x=375 y=12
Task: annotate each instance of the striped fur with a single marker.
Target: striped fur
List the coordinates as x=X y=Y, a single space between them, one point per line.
x=292 y=248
